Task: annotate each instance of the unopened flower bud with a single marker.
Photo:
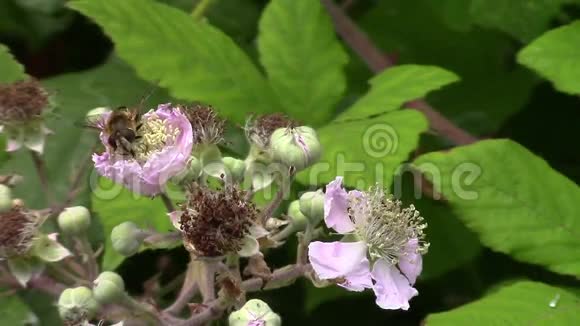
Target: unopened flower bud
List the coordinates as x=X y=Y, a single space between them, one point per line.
x=298 y=147
x=127 y=238
x=312 y=206
x=77 y=305
x=299 y=221
x=235 y=168
x=5 y=198
x=109 y=288
x=254 y=312
x=74 y=220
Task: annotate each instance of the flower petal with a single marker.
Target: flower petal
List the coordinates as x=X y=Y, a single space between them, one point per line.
x=250 y=247
x=175 y=218
x=335 y=207
x=392 y=289
x=411 y=263
x=338 y=259
x=359 y=279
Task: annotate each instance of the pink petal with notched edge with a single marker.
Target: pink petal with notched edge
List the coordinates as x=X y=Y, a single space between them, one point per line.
x=359 y=279
x=175 y=218
x=335 y=207
x=347 y=260
x=392 y=289
x=411 y=263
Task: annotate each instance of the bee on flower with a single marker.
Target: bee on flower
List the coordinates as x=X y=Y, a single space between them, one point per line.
x=386 y=250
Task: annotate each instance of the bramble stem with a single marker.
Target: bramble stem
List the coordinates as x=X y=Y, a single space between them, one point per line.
x=86 y=249
x=167 y=202
x=377 y=61
x=200 y=9
x=188 y=289
x=40 y=167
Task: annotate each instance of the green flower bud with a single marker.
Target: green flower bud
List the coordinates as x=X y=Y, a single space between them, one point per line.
x=77 y=304
x=127 y=238
x=312 y=206
x=298 y=147
x=211 y=159
x=235 y=168
x=74 y=220
x=299 y=221
x=109 y=288
x=5 y=198
x=254 y=312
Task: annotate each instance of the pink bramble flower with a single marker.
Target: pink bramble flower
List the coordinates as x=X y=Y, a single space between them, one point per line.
x=387 y=254
x=161 y=150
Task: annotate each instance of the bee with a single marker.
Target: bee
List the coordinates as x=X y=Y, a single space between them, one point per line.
x=121 y=125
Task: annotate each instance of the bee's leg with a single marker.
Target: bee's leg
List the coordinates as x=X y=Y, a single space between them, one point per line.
x=127 y=146
x=138 y=137
x=139 y=126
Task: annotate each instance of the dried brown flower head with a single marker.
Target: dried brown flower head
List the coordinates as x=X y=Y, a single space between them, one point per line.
x=215 y=222
x=17 y=231
x=259 y=130
x=22 y=100
x=208 y=128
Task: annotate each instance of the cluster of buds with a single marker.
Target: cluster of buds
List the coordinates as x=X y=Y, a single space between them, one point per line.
x=220 y=219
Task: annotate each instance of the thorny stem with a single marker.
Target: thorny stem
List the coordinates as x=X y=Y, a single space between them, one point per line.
x=143 y=309
x=167 y=202
x=207 y=280
x=360 y=43
x=40 y=167
x=188 y=290
x=269 y=210
x=86 y=249
x=46 y=284
x=280 y=277
x=67 y=276
x=200 y=9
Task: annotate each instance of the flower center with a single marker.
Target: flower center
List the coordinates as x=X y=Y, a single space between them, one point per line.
x=155 y=135
x=386 y=226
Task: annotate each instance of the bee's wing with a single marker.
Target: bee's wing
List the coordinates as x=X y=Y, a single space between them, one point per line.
x=95 y=119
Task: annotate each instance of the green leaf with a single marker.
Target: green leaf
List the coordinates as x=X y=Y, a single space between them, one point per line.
x=556 y=56
x=521 y=303
x=10 y=69
x=395 y=86
x=115 y=204
x=366 y=151
x=522 y=19
x=513 y=200
x=194 y=60
x=442 y=222
x=303 y=58
x=111 y=84
x=13 y=310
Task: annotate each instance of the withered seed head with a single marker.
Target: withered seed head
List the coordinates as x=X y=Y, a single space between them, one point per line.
x=22 y=101
x=215 y=222
x=260 y=129
x=208 y=128
x=17 y=230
